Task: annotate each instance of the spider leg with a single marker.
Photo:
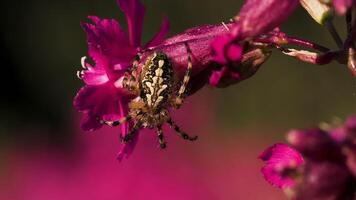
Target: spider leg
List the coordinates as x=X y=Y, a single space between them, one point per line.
x=178 y=101
x=118 y=122
x=128 y=137
x=180 y=132
x=130 y=80
x=162 y=142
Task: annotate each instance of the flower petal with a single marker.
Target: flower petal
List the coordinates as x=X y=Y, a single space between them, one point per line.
x=100 y=102
x=257 y=17
x=198 y=33
x=221 y=47
x=314 y=143
x=198 y=40
x=127 y=148
x=94 y=76
x=90 y=122
x=160 y=35
x=243 y=67
x=108 y=44
x=279 y=159
x=134 y=12
x=223 y=76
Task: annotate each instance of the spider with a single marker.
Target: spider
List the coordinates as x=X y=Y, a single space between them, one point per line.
x=155 y=87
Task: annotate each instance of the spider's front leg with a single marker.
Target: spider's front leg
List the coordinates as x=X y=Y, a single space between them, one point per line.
x=118 y=122
x=131 y=77
x=178 y=100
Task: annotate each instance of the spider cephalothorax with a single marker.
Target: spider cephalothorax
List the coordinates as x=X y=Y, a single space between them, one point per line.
x=155 y=86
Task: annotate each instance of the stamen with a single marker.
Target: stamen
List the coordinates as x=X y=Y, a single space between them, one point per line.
x=120 y=82
x=226 y=27
x=80 y=74
x=82 y=61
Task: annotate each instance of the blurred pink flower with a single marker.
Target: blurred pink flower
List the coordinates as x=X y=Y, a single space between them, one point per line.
x=113 y=51
x=329 y=155
x=281 y=164
x=341 y=6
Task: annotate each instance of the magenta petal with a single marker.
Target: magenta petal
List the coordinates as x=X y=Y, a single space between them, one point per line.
x=199 y=40
x=225 y=74
x=278 y=159
x=225 y=50
x=160 y=36
x=108 y=44
x=123 y=111
x=101 y=102
x=341 y=6
x=134 y=12
x=94 y=76
x=90 y=122
x=127 y=149
x=257 y=17
x=234 y=52
x=198 y=33
x=219 y=45
x=314 y=143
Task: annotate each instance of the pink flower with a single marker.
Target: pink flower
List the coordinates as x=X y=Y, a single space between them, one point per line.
x=314 y=143
x=112 y=50
x=282 y=163
x=198 y=40
x=255 y=18
x=329 y=154
x=341 y=6
x=325 y=180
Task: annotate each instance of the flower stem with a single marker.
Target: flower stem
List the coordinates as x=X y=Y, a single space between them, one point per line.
x=348 y=21
x=307 y=43
x=334 y=33
x=275 y=39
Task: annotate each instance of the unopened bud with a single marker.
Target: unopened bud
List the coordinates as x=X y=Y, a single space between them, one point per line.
x=233 y=73
x=318 y=10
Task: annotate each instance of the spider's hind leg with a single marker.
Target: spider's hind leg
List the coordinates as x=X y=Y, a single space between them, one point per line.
x=162 y=142
x=130 y=135
x=180 y=132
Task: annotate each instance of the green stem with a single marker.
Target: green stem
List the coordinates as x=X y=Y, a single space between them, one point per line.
x=329 y=24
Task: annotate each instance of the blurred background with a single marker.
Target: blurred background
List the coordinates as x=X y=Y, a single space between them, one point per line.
x=44 y=155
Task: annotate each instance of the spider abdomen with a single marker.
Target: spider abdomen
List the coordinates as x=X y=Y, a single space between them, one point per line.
x=156 y=81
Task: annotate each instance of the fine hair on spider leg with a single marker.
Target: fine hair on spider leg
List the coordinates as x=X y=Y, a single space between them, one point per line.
x=129 y=136
x=161 y=140
x=178 y=101
x=118 y=122
x=182 y=134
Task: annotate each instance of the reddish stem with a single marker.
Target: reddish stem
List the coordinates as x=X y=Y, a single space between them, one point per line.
x=306 y=43
x=279 y=39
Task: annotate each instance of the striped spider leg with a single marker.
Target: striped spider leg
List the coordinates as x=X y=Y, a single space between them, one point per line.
x=178 y=100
